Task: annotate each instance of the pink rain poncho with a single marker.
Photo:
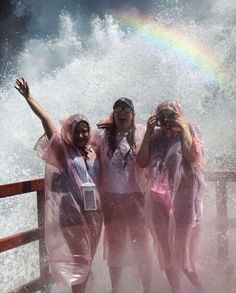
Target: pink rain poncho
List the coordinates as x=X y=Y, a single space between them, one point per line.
x=71 y=233
x=176 y=196
x=126 y=240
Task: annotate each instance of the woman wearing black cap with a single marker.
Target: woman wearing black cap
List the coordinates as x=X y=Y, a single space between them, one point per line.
x=126 y=233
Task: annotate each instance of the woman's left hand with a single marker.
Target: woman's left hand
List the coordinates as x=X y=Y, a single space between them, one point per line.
x=187 y=141
x=180 y=121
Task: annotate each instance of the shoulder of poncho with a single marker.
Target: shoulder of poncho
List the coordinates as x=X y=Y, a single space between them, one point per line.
x=98 y=136
x=57 y=133
x=98 y=132
x=195 y=130
x=43 y=142
x=194 y=127
x=57 y=136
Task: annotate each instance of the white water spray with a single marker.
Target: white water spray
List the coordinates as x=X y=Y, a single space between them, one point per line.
x=71 y=73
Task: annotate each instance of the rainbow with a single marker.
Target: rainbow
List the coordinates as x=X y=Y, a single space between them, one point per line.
x=175 y=42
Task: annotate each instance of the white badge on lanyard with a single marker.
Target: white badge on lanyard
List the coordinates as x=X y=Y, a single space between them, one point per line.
x=88 y=190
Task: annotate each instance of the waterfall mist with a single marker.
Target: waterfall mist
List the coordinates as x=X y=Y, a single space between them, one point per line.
x=77 y=57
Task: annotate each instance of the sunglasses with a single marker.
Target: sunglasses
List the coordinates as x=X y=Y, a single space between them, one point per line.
x=120 y=109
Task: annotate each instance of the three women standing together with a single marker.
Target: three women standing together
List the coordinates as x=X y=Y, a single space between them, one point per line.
x=89 y=176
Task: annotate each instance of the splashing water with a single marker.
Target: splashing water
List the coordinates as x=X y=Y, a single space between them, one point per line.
x=73 y=72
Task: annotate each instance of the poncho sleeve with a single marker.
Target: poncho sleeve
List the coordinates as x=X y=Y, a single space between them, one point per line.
x=51 y=151
x=197 y=146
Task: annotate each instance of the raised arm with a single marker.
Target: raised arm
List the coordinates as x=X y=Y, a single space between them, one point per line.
x=143 y=154
x=188 y=148
x=23 y=89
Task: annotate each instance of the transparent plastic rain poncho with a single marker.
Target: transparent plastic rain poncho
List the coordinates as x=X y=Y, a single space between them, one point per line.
x=71 y=233
x=176 y=187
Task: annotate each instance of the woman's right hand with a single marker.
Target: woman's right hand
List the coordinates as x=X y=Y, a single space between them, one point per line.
x=151 y=123
x=22 y=87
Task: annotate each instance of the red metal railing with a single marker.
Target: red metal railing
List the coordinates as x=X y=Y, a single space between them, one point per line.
x=223 y=223
x=13 y=241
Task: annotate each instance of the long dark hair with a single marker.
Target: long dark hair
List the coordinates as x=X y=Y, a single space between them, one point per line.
x=111 y=139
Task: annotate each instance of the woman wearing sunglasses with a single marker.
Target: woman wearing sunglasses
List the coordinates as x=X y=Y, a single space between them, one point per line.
x=126 y=233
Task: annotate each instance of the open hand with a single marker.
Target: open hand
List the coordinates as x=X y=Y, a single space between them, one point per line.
x=22 y=87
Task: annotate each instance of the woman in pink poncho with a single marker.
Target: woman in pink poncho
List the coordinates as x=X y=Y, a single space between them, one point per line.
x=126 y=234
x=174 y=156
x=72 y=209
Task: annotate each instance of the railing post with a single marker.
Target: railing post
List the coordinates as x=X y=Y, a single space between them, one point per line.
x=222 y=222
x=43 y=264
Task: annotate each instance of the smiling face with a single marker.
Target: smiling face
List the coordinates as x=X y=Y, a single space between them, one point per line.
x=81 y=134
x=123 y=116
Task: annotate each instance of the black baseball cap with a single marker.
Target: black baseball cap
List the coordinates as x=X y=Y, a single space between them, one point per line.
x=123 y=101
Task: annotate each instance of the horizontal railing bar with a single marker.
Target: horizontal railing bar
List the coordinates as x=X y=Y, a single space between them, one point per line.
x=21 y=187
x=229 y=176
x=16 y=240
x=227 y=223
x=32 y=286
x=38 y=184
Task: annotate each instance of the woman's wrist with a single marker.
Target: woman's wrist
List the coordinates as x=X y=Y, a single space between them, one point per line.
x=186 y=137
x=28 y=96
x=185 y=133
x=184 y=127
x=149 y=132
